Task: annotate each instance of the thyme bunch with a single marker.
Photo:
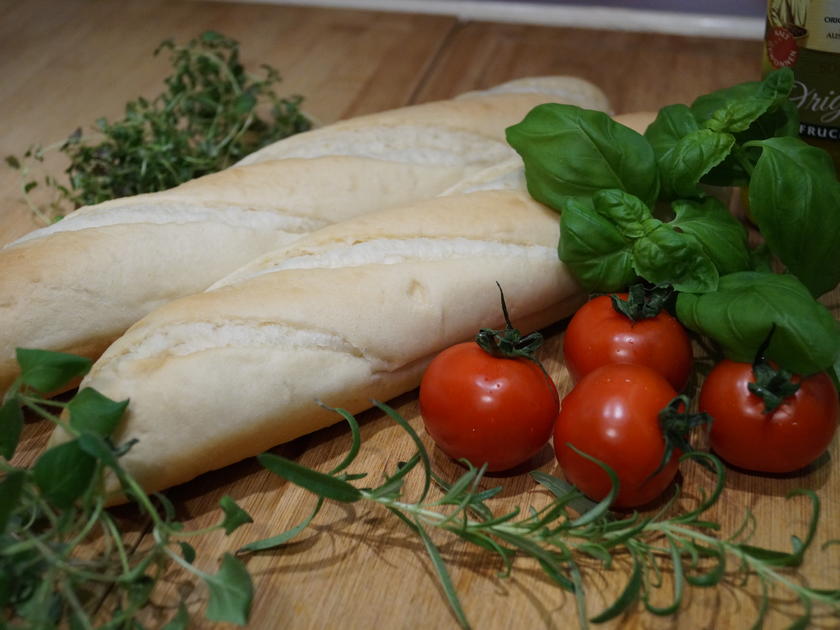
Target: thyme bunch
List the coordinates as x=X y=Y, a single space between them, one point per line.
x=211 y=114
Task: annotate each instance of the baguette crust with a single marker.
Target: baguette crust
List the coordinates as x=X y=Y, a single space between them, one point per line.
x=226 y=374
x=75 y=286
x=441 y=130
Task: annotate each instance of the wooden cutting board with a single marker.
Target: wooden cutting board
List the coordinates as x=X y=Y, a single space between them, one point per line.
x=65 y=63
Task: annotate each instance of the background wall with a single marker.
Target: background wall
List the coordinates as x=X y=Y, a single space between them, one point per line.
x=739 y=19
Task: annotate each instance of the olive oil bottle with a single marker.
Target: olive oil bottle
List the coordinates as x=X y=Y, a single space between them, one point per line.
x=805 y=36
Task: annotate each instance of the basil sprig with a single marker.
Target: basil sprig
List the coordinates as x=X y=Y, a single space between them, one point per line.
x=643 y=206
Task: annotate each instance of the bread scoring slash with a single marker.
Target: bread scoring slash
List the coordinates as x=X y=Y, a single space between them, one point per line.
x=350 y=313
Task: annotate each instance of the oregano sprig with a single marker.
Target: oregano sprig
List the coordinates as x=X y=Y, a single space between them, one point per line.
x=61 y=550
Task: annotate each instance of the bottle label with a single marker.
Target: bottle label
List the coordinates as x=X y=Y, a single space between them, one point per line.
x=805 y=35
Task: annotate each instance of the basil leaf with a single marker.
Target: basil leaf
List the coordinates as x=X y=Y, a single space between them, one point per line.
x=723 y=238
x=92 y=412
x=667 y=256
x=779 y=122
x=625 y=211
x=63 y=473
x=685 y=153
x=572 y=152
x=783 y=121
x=706 y=106
x=48 y=371
x=795 y=201
x=735 y=109
x=750 y=111
x=597 y=253
x=231 y=592
x=747 y=304
x=683 y=166
x=672 y=123
x=11 y=426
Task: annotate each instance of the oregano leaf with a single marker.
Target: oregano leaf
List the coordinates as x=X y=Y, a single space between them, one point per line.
x=231 y=592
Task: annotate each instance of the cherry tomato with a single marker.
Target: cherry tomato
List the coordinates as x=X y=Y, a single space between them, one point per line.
x=598 y=334
x=487 y=409
x=612 y=414
x=784 y=440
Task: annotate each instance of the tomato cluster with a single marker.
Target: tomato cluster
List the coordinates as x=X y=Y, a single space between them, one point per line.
x=629 y=364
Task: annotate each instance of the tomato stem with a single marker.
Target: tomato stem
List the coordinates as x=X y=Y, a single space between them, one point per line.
x=773 y=385
x=676 y=424
x=643 y=301
x=509 y=343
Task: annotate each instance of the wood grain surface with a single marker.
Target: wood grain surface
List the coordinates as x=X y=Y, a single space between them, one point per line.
x=65 y=63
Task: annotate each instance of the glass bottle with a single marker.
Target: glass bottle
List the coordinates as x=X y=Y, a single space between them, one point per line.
x=805 y=36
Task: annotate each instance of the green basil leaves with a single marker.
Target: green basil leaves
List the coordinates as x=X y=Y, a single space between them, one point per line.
x=740 y=313
x=636 y=206
x=572 y=152
x=614 y=238
x=795 y=201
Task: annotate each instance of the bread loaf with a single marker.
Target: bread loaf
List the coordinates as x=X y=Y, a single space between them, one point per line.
x=352 y=312
x=77 y=285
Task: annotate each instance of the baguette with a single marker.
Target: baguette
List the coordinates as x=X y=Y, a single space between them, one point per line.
x=350 y=313
x=77 y=285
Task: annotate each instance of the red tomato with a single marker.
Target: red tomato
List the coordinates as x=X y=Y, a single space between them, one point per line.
x=612 y=414
x=598 y=335
x=787 y=439
x=486 y=409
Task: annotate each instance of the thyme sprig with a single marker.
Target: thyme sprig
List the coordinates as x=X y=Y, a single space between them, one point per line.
x=211 y=113
x=567 y=535
x=61 y=551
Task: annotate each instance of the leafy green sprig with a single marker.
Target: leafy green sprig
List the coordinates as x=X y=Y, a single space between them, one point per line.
x=569 y=534
x=211 y=114
x=61 y=551
x=644 y=206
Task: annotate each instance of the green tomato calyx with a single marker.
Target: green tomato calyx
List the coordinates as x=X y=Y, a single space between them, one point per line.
x=676 y=424
x=643 y=301
x=509 y=343
x=772 y=384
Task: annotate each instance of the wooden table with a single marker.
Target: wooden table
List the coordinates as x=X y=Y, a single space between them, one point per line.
x=66 y=62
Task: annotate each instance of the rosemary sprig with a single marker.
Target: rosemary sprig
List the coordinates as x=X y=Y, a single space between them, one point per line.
x=210 y=114
x=61 y=551
x=570 y=532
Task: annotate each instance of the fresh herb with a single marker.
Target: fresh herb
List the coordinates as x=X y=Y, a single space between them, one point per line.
x=569 y=533
x=211 y=114
x=61 y=551
x=636 y=206
x=794 y=196
x=747 y=304
x=571 y=152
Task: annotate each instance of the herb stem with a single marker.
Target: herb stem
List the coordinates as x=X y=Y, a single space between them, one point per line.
x=111 y=528
x=70 y=595
x=178 y=559
x=742 y=159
